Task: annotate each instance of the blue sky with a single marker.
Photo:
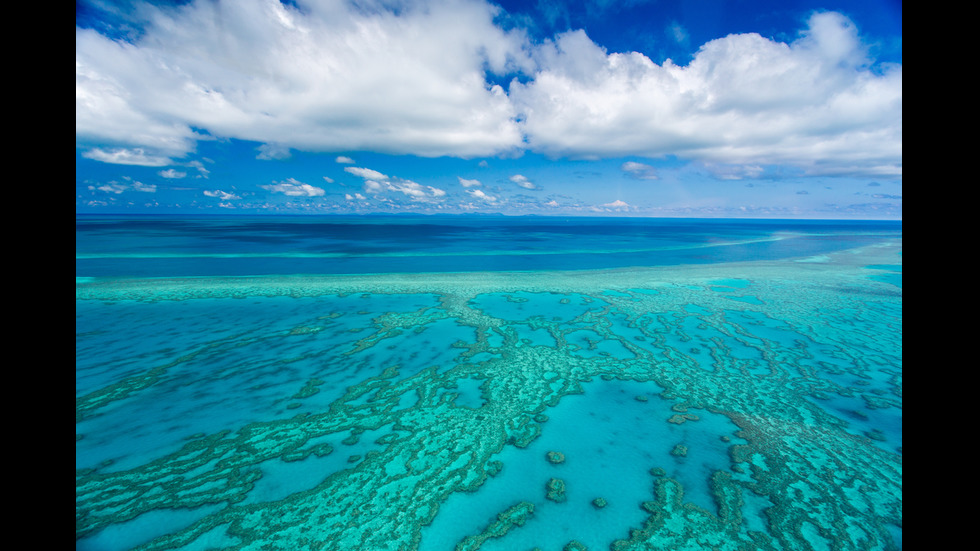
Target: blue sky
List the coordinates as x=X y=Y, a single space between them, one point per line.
x=768 y=109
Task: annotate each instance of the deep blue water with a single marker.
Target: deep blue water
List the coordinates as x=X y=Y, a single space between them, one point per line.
x=163 y=246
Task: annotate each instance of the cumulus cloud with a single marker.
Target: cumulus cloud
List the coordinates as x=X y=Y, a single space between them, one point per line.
x=468 y=183
x=294 y=188
x=743 y=99
x=365 y=173
x=416 y=78
x=479 y=194
x=377 y=183
x=408 y=78
x=344 y=160
x=522 y=181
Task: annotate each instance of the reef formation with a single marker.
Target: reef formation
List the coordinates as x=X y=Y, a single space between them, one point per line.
x=347 y=413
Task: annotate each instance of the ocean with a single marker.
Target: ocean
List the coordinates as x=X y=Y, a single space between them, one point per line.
x=487 y=382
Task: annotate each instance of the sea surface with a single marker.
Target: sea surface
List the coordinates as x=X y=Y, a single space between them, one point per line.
x=494 y=383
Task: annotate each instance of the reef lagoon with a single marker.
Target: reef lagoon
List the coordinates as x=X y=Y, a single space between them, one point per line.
x=493 y=383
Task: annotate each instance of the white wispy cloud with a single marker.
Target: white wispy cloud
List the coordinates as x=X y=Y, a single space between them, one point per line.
x=678 y=33
x=223 y=195
x=522 y=181
x=273 y=152
x=479 y=194
x=639 y=171
x=344 y=160
x=365 y=173
x=202 y=172
x=468 y=183
x=294 y=188
x=123 y=156
x=734 y=172
x=116 y=187
x=171 y=173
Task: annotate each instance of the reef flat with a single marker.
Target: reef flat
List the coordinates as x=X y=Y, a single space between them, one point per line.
x=740 y=405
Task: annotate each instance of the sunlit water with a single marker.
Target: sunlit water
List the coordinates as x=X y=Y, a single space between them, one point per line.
x=454 y=383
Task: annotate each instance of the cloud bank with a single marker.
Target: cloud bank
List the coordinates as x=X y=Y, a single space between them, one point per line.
x=814 y=103
x=416 y=77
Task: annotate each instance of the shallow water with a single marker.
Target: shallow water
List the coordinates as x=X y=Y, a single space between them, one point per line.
x=726 y=400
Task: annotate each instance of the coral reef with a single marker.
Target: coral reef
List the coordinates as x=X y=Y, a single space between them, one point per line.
x=556 y=490
x=555 y=457
x=375 y=365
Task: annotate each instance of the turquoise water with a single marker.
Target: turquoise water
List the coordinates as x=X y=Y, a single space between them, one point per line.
x=718 y=390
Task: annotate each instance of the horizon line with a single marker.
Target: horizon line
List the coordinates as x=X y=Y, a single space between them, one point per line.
x=473 y=214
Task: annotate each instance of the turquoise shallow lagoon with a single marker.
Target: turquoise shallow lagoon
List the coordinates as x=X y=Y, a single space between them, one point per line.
x=247 y=384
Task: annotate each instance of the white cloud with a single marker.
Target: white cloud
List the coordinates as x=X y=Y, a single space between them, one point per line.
x=522 y=181
x=294 y=188
x=639 y=171
x=734 y=172
x=110 y=188
x=202 y=172
x=677 y=32
x=273 y=152
x=479 y=194
x=328 y=179
x=172 y=174
x=744 y=99
x=411 y=78
x=123 y=156
x=366 y=173
x=405 y=78
x=117 y=188
x=468 y=183
x=377 y=183
x=145 y=188
x=223 y=195
x=370 y=186
x=617 y=204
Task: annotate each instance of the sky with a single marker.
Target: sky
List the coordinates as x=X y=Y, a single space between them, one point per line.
x=654 y=108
